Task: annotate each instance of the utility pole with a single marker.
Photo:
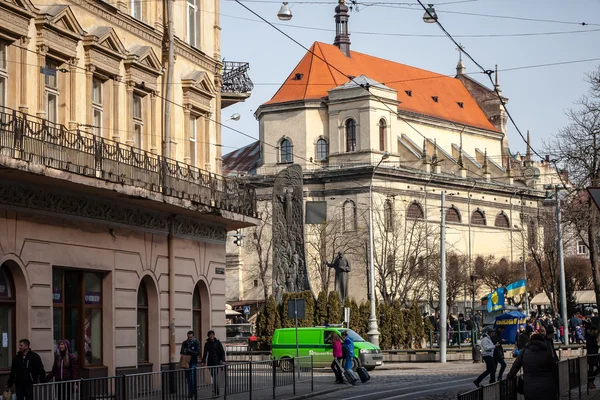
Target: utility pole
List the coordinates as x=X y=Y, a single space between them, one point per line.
x=563 y=288
x=442 y=300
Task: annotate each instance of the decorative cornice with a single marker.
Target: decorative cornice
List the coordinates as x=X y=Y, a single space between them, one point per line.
x=72 y=206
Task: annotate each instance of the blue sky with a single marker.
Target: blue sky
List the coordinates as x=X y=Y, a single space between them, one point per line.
x=538 y=97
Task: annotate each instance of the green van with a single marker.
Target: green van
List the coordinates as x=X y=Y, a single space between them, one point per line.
x=316 y=342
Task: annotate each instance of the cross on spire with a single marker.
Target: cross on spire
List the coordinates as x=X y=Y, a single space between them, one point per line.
x=460 y=49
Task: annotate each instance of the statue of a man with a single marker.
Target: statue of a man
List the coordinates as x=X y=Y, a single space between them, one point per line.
x=342 y=269
x=287 y=201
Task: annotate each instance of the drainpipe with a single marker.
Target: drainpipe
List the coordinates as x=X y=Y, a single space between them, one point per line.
x=511 y=227
x=171 y=267
x=170 y=39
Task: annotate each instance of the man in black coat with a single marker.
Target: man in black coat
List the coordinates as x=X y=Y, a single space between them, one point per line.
x=499 y=351
x=214 y=356
x=191 y=347
x=27 y=369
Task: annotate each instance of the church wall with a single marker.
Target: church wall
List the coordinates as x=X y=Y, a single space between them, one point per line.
x=275 y=126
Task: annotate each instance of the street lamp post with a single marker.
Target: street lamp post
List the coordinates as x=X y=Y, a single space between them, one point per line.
x=373 y=328
x=474 y=329
x=563 y=288
x=524 y=260
x=442 y=300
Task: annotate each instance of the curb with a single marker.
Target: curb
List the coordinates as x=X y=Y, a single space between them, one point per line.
x=319 y=393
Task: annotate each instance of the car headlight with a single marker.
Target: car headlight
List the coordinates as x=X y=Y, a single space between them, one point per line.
x=365 y=351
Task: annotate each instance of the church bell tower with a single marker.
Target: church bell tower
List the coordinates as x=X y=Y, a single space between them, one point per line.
x=342 y=37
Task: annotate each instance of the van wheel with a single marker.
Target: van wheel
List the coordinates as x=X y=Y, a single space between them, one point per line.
x=286 y=364
x=355 y=364
x=369 y=368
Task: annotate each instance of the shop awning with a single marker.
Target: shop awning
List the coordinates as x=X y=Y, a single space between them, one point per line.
x=540 y=300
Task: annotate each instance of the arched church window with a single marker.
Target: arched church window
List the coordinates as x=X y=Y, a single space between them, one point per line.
x=350 y=135
x=382 y=132
x=286 y=151
x=322 y=149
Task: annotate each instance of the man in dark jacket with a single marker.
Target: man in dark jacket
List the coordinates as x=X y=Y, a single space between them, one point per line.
x=591 y=346
x=539 y=378
x=524 y=338
x=27 y=369
x=191 y=347
x=499 y=351
x=214 y=356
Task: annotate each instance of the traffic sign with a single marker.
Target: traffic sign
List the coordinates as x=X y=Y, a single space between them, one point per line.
x=246 y=310
x=595 y=193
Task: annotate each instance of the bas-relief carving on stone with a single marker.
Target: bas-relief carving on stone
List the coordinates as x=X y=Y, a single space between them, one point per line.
x=289 y=261
x=83 y=207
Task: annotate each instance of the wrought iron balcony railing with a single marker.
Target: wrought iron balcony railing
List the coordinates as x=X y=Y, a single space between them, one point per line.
x=35 y=140
x=235 y=78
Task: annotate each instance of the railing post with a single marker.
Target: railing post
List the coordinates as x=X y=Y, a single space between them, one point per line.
x=250 y=378
x=123 y=391
x=430 y=339
x=226 y=381
x=274 y=364
x=312 y=375
x=294 y=374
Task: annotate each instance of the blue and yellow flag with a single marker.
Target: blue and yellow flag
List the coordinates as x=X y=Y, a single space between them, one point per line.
x=495 y=300
x=516 y=288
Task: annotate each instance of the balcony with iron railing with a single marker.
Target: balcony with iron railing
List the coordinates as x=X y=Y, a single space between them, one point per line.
x=237 y=85
x=28 y=143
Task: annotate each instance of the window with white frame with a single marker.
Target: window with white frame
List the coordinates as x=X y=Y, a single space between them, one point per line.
x=3 y=73
x=581 y=248
x=97 y=106
x=193 y=142
x=136 y=9
x=138 y=122
x=192 y=12
x=52 y=93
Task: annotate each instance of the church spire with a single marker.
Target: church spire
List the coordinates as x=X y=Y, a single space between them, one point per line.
x=496 y=81
x=460 y=67
x=528 y=153
x=342 y=38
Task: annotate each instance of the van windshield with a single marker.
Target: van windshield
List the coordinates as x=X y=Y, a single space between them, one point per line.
x=354 y=336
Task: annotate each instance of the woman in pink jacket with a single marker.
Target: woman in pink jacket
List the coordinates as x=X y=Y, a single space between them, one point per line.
x=336 y=343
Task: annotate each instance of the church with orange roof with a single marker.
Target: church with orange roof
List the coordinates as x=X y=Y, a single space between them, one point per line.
x=359 y=124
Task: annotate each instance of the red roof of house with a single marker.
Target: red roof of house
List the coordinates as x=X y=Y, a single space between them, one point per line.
x=242 y=161
x=318 y=77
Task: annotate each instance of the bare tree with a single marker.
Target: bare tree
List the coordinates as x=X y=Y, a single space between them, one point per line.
x=401 y=252
x=457 y=277
x=577 y=148
x=323 y=241
x=258 y=241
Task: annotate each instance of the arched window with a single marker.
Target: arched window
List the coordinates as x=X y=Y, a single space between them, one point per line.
x=479 y=266
x=322 y=150
x=453 y=263
x=142 y=323
x=388 y=214
x=350 y=135
x=7 y=317
x=382 y=131
x=502 y=221
x=415 y=211
x=197 y=312
x=452 y=215
x=478 y=218
x=349 y=216
x=286 y=151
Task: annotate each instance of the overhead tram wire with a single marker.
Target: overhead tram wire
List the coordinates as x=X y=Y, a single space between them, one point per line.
x=489 y=74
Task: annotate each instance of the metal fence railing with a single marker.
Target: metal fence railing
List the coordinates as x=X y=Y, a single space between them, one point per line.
x=34 y=140
x=203 y=382
x=572 y=375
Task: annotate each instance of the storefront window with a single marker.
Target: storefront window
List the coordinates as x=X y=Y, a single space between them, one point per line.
x=7 y=315
x=77 y=300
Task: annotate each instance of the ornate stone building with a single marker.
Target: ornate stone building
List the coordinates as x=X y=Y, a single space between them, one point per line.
x=104 y=239
x=355 y=121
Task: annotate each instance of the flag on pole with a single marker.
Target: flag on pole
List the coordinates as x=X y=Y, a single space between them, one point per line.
x=516 y=288
x=495 y=300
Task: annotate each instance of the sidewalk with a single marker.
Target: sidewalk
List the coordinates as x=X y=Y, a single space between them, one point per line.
x=322 y=385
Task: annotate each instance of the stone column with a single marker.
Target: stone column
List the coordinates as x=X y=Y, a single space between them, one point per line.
x=23 y=105
x=116 y=110
x=41 y=92
x=89 y=88
x=129 y=116
x=207 y=144
x=217 y=100
x=187 y=156
x=73 y=93
x=156 y=128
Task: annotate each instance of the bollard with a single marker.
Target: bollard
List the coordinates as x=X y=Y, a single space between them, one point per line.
x=294 y=374
x=430 y=339
x=274 y=363
x=250 y=378
x=312 y=375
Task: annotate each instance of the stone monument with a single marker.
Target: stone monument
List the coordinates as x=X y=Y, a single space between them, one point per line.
x=341 y=265
x=289 y=261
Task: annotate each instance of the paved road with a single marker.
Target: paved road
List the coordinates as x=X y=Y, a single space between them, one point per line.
x=413 y=381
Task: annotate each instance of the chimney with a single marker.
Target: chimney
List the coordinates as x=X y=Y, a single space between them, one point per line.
x=342 y=38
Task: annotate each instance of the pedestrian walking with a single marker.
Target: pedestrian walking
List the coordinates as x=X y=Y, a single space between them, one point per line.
x=213 y=356
x=336 y=343
x=64 y=369
x=190 y=349
x=524 y=338
x=487 y=349
x=550 y=342
x=539 y=378
x=347 y=350
x=499 y=351
x=27 y=370
x=591 y=346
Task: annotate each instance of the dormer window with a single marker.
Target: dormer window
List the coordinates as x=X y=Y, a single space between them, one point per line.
x=298 y=77
x=461 y=104
x=408 y=93
x=435 y=99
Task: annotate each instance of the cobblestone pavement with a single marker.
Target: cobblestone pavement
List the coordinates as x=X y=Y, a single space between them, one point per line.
x=413 y=381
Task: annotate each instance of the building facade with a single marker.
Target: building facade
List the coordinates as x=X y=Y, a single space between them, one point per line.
x=355 y=122
x=106 y=240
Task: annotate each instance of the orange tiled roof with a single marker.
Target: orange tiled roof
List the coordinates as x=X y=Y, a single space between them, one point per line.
x=319 y=77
